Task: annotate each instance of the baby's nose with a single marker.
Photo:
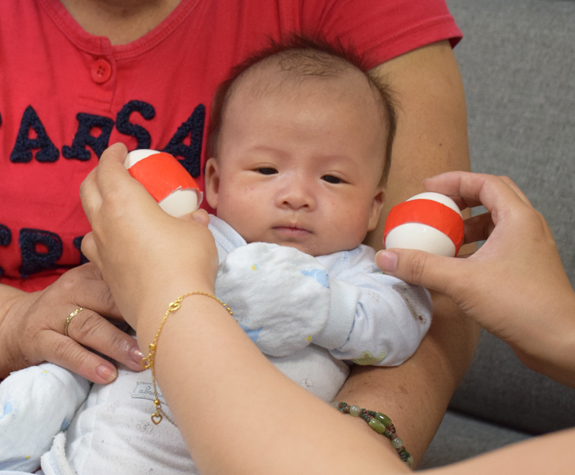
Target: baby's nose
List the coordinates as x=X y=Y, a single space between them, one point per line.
x=298 y=194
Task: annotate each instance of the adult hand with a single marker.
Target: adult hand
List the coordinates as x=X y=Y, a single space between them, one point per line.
x=32 y=328
x=142 y=251
x=514 y=285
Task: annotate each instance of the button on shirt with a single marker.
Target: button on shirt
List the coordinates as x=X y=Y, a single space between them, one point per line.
x=101 y=71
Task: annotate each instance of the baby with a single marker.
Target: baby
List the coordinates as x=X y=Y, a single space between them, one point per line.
x=300 y=139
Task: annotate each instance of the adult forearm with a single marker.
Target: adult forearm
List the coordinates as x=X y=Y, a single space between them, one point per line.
x=239 y=415
x=548 y=344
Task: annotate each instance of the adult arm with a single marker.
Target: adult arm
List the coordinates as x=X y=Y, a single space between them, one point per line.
x=431 y=138
x=540 y=328
x=269 y=425
x=32 y=327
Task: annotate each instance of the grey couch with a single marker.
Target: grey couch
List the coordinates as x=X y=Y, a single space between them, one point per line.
x=517 y=59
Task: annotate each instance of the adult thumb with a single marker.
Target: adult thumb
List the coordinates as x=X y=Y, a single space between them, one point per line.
x=419 y=268
x=200 y=216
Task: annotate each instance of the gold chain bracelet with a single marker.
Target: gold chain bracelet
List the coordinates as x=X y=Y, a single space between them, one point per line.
x=148 y=361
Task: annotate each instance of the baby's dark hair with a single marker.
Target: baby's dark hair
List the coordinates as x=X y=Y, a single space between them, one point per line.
x=304 y=56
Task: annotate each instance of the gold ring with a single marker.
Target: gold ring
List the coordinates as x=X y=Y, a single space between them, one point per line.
x=69 y=319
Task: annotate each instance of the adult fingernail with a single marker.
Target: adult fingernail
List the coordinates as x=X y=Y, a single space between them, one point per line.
x=386 y=261
x=106 y=373
x=136 y=356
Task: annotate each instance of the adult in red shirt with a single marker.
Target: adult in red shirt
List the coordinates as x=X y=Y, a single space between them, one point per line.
x=78 y=76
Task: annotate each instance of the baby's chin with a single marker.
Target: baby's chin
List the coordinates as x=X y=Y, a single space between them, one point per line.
x=316 y=249
x=308 y=242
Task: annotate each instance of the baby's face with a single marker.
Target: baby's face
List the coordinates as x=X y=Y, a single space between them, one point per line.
x=300 y=165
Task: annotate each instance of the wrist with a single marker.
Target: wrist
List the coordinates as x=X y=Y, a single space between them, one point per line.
x=149 y=360
x=155 y=304
x=551 y=351
x=8 y=298
x=12 y=310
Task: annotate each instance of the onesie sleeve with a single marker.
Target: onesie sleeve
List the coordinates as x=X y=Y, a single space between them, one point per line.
x=285 y=299
x=390 y=317
x=35 y=404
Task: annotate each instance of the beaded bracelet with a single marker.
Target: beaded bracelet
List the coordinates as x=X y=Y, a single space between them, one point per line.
x=148 y=361
x=381 y=424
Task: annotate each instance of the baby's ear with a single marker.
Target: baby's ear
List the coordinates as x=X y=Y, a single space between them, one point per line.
x=212 y=182
x=376 y=207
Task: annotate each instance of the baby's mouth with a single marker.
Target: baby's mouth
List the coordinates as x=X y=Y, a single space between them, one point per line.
x=293 y=231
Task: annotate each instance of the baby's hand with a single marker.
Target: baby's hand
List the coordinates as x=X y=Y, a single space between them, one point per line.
x=280 y=296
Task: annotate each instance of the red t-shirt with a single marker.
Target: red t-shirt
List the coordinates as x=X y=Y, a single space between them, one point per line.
x=65 y=95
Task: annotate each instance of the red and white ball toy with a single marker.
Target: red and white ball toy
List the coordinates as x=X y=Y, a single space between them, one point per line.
x=166 y=180
x=428 y=222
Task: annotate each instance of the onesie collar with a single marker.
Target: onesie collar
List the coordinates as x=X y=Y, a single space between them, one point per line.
x=225 y=235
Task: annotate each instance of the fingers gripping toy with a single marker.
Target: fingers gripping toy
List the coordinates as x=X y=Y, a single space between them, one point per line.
x=428 y=222
x=166 y=180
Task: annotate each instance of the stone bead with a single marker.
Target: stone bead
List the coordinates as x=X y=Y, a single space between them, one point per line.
x=354 y=411
x=383 y=418
x=334 y=404
x=377 y=426
x=409 y=461
x=396 y=443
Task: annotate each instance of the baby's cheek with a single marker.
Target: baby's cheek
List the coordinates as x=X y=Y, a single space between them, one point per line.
x=353 y=229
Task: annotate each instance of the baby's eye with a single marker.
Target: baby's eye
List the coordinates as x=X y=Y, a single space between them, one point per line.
x=332 y=179
x=266 y=171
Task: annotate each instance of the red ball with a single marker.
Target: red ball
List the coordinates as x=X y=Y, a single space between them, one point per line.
x=428 y=222
x=166 y=180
